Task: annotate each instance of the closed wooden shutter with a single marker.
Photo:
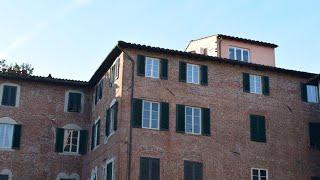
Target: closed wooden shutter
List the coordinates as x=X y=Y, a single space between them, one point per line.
x=59 y=139
x=164 y=116
x=107 y=130
x=265 y=85
x=204 y=75
x=115 y=109
x=144 y=169
x=98 y=132
x=141 y=60
x=92 y=136
x=4 y=177
x=83 y=141
x=182 y=71
x=246 y=82
x=180 y=118
x=149 y=168
x=314 y=135
x=193 y=170
x=257 y=128
x=205 y=121
x=16 y=136
x=198 y=171
x=74 y=102
x=304 y=96
x=155 y=169
x=109 y=171
x=9 y=95
x=164 y=69
x=101 y=89
x=188 y=170
x=137 y=113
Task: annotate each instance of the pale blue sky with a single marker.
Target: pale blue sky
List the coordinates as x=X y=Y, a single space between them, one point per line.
x=70 y=38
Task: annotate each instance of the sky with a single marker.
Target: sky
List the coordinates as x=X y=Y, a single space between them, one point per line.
x=71 y=38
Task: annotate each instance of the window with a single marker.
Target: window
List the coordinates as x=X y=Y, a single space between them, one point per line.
x=150 y=115
x=314 y=135
x=5 y=174
x=255 y=84
x=10 y=95
x=6 y=135
x=193 y=73
x=98 y=92
x=95 y=134
x=4 y=177
x=239 y=54
x=259 y=174
x=71 y=141
x=193 y=120
x=94 y=174
x=315 y=178
x=312 y=93
x=114 y=71
x=149 y=168
x=111 y=119
x=108 y=170
x=257 y=128
x=152 y=67
x=74 y=102
x=193 y=170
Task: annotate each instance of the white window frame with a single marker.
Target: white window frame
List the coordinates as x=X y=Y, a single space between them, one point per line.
x=17 y=95
x=152 y=70
x=113 y=73
x=10 y=136
x=150 y=115
x=111 y=127
x=96 y=133
x=63 y=175
x=259 y=176
x=6 y=172
x=193 y=67
x=316 y=94
x=94 y=174
x=78 y=141
x=105 y=169
x=185 y=117
x=66 y=100
x=255 y=84
x=235 y=53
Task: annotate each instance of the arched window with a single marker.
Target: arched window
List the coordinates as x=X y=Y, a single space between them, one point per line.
x=10 y=133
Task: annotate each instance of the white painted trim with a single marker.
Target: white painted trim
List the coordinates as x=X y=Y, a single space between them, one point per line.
x=267 y=174
x=17 y=96
x=152 y=59
x=94 y=171
x=185 y=119
x=254 y=91
x=151 y=115
x=72 y=126
x=66 y=176
x=96 y=134
x=6 y=172
x=111 y=160
x=113 y=102
x=193 y=66
x=7 y=120
x=66 y=100
x=235 y=53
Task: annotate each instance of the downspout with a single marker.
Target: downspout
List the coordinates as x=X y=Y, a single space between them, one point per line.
x=129 y=153
x=219 y=46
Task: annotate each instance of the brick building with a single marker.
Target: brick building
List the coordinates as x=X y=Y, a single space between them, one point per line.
x=219 y=110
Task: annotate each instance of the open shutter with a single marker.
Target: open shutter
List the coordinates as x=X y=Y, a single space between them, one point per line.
x=304 y=96
x=144 y=168
x=141 y=65
x=205 y=121
x=164 y=69
x=204 y=75
x=98 y=132
x=137 y=113
x=265 y=85
x=182 y=71
x=107 y=130
x=59 y=139
x=115 y=110
x=164 y=116
x=246 y=82
x=16 y=136
x=180 y=118
x=83 y=141
x=92 y=136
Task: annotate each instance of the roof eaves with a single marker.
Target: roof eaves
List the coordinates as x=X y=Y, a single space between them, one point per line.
x=261 y=43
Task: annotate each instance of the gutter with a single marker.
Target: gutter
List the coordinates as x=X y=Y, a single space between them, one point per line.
x=129 y=153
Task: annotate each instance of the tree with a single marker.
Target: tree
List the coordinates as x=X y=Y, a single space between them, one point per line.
x=16 y=67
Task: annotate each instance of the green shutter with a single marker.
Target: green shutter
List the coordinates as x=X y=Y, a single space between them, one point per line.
x=262 y=129
x=144 y=169
x=304 y=96
x=205 y=121
x=107 y=130
x=59 y=139
x=115 y=122
x=92 y=136
x=246 y=82
x=204 y=75
x=180 y=118
x=164 y=69
x=257 y=128
x=109 y=171
x=164 y=116
x=16 y=136
x=198 y=172
x=188 y=170
x=141 y=65
x=265 y=85
x=182 y=71
x=154 y=164
x=9 y=95
x=98 y=132
x=83 y=141
x=137 y=113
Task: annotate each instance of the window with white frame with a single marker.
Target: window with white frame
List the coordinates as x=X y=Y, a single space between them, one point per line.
x=193 y=73
x=152 y=67
x=6 y=135
x=259 y=174
x=114 y=71
x=9 y=94
x=255 y=84
x=193 y=120
x=312 y=93
x=240 y=54
x=71 y=141
x=5 y=174
x=150 y=115
x=94 y=174
x=108 y=170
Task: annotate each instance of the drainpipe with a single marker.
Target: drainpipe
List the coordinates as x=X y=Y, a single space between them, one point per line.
x=129 y=153
x=219 y=46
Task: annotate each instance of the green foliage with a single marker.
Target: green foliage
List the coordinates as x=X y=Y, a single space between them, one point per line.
x=16 y=66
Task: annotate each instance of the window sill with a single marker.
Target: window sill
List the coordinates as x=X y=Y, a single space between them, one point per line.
x=7 y=149
x=8 y=106
x=69 y=154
